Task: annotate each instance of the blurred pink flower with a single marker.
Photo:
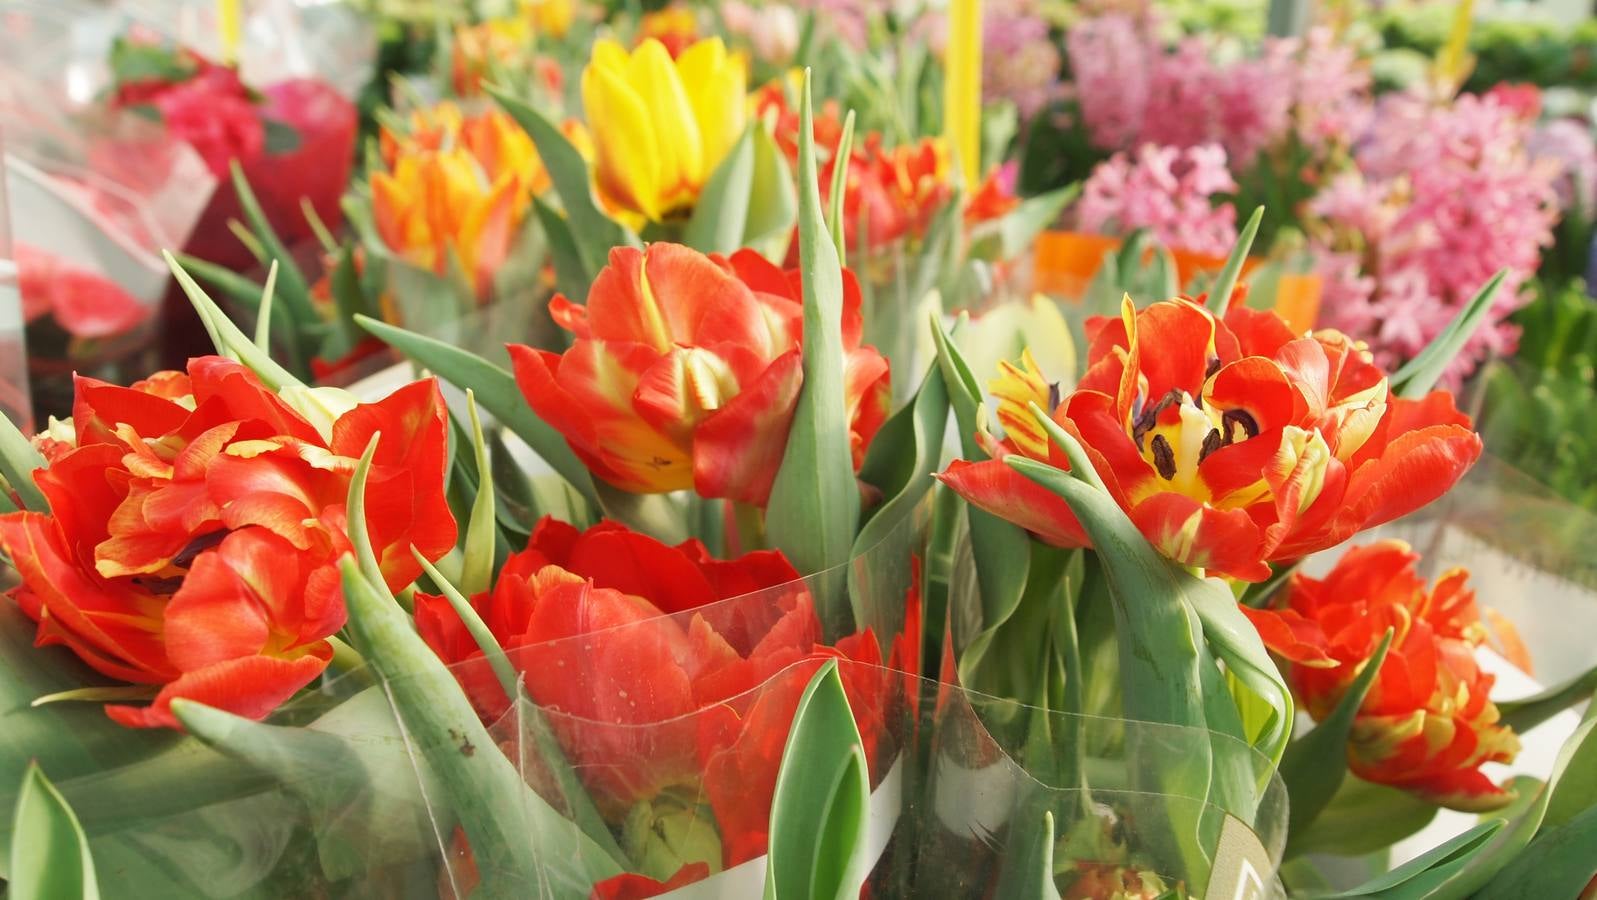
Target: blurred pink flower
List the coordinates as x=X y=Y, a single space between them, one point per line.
x=1131 y=89
x=1168 y=190
x=1444 y=196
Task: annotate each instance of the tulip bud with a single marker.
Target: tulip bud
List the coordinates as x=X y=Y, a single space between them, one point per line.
x=672 y=830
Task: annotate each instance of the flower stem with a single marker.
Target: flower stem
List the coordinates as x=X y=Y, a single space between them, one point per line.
x=750 y=523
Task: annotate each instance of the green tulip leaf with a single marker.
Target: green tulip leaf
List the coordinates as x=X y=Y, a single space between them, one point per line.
x=1314 y=766
x=819 y=807
x=1001 y=549
x=814 y=504
x=229 y=339
x=1528 y=712
x=1560 y=862
x=18 y=460
x=595 y=231
x=1416 y=378
x=350 y=768
x=572 y=275
x=1226 y=281
x=837 y=192
x=1362 y=818
x=1028 y=870
x=477 y=572
x=773 y=199
x=51 y=860
x=719 y=215
x=517 y=839
x=496 y=390
x=296 y=291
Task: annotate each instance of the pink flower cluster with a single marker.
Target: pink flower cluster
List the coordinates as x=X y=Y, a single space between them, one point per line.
x=1444 y=196
x=1131 y=89
x=1020 y=62
x=1168 y=190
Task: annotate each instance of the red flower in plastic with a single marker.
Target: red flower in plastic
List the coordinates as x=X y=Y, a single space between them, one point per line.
x=686 y=370
x=1230 y=443
x=1428 y=723
x=196 y=522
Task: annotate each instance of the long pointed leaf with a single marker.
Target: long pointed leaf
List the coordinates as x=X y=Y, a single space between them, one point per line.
x=53 y=862
x=814 y=505
x=1314 y=766
x=1415 y=379
x=496 y=390
x=18 y=460
x=1220 y=292
x=722 y=210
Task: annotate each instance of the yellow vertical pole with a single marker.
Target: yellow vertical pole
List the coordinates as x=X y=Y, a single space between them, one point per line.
x=229 y=25
x=962 y=87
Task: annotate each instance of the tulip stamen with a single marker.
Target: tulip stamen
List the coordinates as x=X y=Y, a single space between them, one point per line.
x=1164 y=457
x=1211 y=442
x=1233 y=419
x=1150 y=416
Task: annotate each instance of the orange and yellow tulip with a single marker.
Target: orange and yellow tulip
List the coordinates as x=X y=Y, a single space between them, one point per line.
x=660 y=126
x=1428 y=723
x=456 y=185
x=1231 y=442
x=685 y=370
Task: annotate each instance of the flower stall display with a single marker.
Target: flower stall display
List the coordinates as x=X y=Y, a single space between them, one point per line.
x=823 y=452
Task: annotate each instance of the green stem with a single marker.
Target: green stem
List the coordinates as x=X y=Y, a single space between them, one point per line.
x=750 y=523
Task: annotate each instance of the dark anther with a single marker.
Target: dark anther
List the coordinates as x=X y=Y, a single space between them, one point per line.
x=1236 y=417
x=1211 y=442
x=197 y=546
x=1164 y=458
x=1150 y=416
x=1053 y=396
x=1214 y=366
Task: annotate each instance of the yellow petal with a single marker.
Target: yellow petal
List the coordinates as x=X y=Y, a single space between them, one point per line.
x=654 y=77
x=715 y=86
x=625 y=146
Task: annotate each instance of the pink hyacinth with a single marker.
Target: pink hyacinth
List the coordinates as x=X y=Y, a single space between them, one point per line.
x=1445 y=196
x=1131 y=89
x=1019 y=60
x=1169 y=191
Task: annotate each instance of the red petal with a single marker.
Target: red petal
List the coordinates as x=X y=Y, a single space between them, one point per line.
x=631 y=886
x=1291 y=636
x=1224 y=541
x=738 y=449
x=637 y=564
x=993 y=486
x=251 y=687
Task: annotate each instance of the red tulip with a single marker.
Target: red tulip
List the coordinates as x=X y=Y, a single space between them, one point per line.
x=1230 y=444
x=685 y=372
x=196 y=524
x=649 y=680
x=1427 y=724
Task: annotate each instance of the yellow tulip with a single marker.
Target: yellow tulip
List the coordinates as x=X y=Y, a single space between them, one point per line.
x=660 y=126
x=549 y=17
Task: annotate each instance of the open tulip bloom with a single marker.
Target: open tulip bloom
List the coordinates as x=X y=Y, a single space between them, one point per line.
x=681 y=602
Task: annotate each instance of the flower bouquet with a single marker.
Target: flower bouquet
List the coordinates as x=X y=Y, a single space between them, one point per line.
x=683 y=603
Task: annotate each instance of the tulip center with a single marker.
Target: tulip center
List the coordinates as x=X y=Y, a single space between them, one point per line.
x=1177 y=433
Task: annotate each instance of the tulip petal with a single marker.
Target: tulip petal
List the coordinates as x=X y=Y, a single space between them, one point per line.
x=250 y=687
x=738 y=449
x=1291 y=635
x=1225 y=541
x=992 y=485
x=652 y=74
x=627 y=149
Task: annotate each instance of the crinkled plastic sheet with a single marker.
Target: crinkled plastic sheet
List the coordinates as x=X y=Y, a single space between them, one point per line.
x=1531 y=554
x=340 y=801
